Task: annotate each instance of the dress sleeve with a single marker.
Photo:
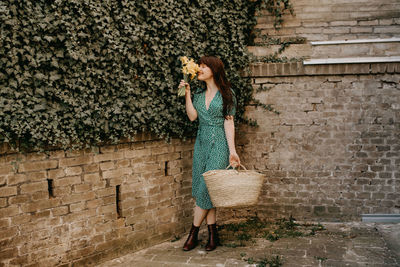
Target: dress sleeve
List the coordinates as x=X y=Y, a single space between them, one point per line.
x=232 y=112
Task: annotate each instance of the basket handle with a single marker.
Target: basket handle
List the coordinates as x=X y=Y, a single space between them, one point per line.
x=240 y=165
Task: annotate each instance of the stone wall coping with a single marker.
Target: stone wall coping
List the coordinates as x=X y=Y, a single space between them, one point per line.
x=357 y=41
x=299 y=69
x=5 y=148
x=346 y=60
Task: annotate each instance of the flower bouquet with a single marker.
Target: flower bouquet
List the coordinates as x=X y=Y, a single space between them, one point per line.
x=189 y=67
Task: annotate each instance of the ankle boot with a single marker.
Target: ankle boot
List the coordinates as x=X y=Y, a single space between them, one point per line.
x=213 y=239
x=192 y=239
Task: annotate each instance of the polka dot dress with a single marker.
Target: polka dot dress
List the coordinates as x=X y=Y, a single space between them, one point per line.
x=211 y=151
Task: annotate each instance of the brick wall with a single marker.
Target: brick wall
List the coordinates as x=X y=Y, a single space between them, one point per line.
x=319 y=20
x=333 y=152
x=82 y=207
x=325 y=20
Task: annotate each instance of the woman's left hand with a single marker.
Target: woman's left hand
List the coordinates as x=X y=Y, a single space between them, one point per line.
x=234 y=160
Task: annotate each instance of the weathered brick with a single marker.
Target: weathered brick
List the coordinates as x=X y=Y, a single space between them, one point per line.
x=76 y=161
x=20 y=261
x=37 y=166
x=57 y=154
x=368 y=22
x=35 y=156
x=91 y=168
x=59 y=210
x=4 y=223
x=37 y=176
x=93 y=204
x=8 y=253
x=389 y=30
x=117 y=173
x=66 y=181
x=385 y=175
x=3 y=202
x=71 y=171
x=73 y=198
x=35 y=206
x=383 y=148
x=122 y=163
x=109 y=200
x=108 y=165
x=107 y=209
x=19 y=199
x=361 y=30
x=52 y=174
x=20 y=219
x=92 y=178
x=77 y=206
x=137 y=153
x=40 y=195
x=107 y=149
x=108 y=156
x=34 y=187
x=6 y=169
x=340 y=30
x=79 y=188
x=8 y=191
x=62 y=190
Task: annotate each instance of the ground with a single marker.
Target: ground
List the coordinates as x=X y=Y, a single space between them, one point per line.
x=296 y=244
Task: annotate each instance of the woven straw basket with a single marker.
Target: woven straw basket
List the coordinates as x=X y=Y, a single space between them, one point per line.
x=233 y=188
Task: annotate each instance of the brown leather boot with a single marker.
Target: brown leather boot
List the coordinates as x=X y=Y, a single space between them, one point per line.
x=213 y=239
x=192 y=239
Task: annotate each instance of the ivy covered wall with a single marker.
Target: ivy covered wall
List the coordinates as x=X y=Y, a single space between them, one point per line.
x=79 y=73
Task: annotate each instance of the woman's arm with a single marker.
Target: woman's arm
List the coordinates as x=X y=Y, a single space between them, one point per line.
x=229 y=127
x=190 y=110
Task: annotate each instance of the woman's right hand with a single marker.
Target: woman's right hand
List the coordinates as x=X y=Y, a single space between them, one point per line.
x=187 y=86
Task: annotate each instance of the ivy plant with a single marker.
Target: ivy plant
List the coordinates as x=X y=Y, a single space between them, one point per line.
x=75 y=74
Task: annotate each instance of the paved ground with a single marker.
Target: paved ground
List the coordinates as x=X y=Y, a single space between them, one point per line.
x=341 y=244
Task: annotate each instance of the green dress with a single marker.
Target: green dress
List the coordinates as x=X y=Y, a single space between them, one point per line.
x=211 y=151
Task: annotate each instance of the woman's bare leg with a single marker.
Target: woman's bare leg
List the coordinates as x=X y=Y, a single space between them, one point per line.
x=199 y=215
x=211 y=216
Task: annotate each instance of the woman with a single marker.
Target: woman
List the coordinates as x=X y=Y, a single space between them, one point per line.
x=215 y=146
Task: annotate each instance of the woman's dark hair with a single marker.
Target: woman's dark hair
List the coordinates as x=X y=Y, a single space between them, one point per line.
x=224 y=86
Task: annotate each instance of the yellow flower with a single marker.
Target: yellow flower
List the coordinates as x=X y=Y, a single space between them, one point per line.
x=192 y=68
x=184 y=60
x=189 y=68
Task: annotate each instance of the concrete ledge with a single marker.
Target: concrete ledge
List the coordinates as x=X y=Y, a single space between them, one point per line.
x=298 y=69
x=356 y=41
x=381 y=218
x=347 y=60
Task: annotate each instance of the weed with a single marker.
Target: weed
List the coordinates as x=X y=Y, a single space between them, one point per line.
x=272 y=231
x=320 y=227
x=250 y=260
x=244 y=237
x=234 y=245
x=264 y=262
x=287 y=224
x=294 y=233
x=176 y=238
x=271 y=236
x=321 y=259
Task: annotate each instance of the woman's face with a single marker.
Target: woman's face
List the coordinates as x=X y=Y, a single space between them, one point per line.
x=205 y=73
